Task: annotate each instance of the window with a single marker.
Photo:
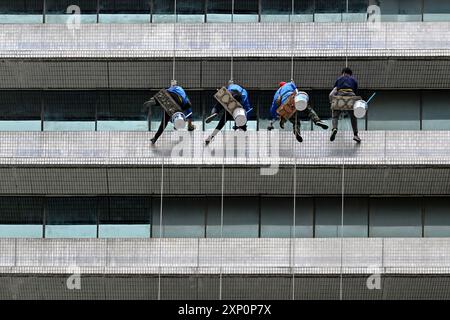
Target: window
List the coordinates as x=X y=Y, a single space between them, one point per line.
x=124 y=217
x=122 y=111
x=240 y=216
x=276 y=10
x=437 y=217
x=401 y=10
x=21 y=217
x=189 y=11
x=394 y=111
x=357 y=11
x=71 y=218
x=125 y=11
x=219 y=11
x=329 y=217
x=435 y=110
x=246 y=11
x=436 y=10
x=329 y=10
x=182 y=217
x=24 y=11
x=70 y=110
x=395 y=217
x=21 y=111
x=277 y=217
x=163 y=11
x=58 y=11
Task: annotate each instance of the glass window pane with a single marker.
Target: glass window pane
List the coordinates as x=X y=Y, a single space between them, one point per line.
x=21 y=111
x=394 y=111
x=182 y=217
x=329 y=217
x=163 y=11
x=437 y=217
x=21 y=217
x=240 y=217
x=58 y=11
x=304 y=11
x=395 y=217
x=436 y=10
x=70 y=110
x=124 y=11
x=246 y=11
x=330 y=6
x=277 y=217
x=122 y=110
x=358 y=6
x=436 y=110
x=189 y=11
x=276 y=10
x=71 y=218
x=219 y=11
x=401 y=10
x=124 y=217
x=24 y=11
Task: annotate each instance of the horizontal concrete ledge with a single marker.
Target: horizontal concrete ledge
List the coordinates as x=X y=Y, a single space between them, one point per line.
x=254 y=163
x=227 y=256
x=255 y=39
x=252 y=148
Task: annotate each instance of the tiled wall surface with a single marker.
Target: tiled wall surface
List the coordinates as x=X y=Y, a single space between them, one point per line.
x=230 y=256
x=216 y=40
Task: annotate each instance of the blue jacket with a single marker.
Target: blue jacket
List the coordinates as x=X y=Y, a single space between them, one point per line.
x=346 y=82
x=183 y=100
x=285 y=92
x=179 y=91
x=245 y=101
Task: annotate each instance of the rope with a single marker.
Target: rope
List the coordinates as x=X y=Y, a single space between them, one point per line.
x=295 y=161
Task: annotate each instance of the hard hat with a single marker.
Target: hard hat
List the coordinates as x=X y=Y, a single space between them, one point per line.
x=173 y=83
x=282 y=83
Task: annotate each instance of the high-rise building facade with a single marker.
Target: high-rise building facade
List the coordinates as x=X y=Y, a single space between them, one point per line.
x=90 y=209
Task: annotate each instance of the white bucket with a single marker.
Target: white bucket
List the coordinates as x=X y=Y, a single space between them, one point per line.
x=301 y=101
x=178 y=120
x=360 y=108
x=240 y=117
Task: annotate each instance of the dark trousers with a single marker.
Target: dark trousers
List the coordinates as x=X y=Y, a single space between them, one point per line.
x=336 y=113
x=295 y=119
x=164 y=121
x=224 y=118
x=166 y=117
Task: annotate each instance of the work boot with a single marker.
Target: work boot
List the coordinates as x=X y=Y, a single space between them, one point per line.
x=208 y=140
x=322 y=124
x=357 y=138
x=333 y=134
x=298 y=137
x=153 y=140
x=282 y=122
x=191 y=127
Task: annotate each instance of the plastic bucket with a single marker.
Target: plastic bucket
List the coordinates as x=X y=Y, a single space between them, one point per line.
x=360 y=108
x=301 y=101
x=179 y=120
x=240 y=117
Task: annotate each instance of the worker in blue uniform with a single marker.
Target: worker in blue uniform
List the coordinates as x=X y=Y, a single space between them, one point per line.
x=345 y=85
x=241 y=95
x=181 y=98
x=285 y=90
